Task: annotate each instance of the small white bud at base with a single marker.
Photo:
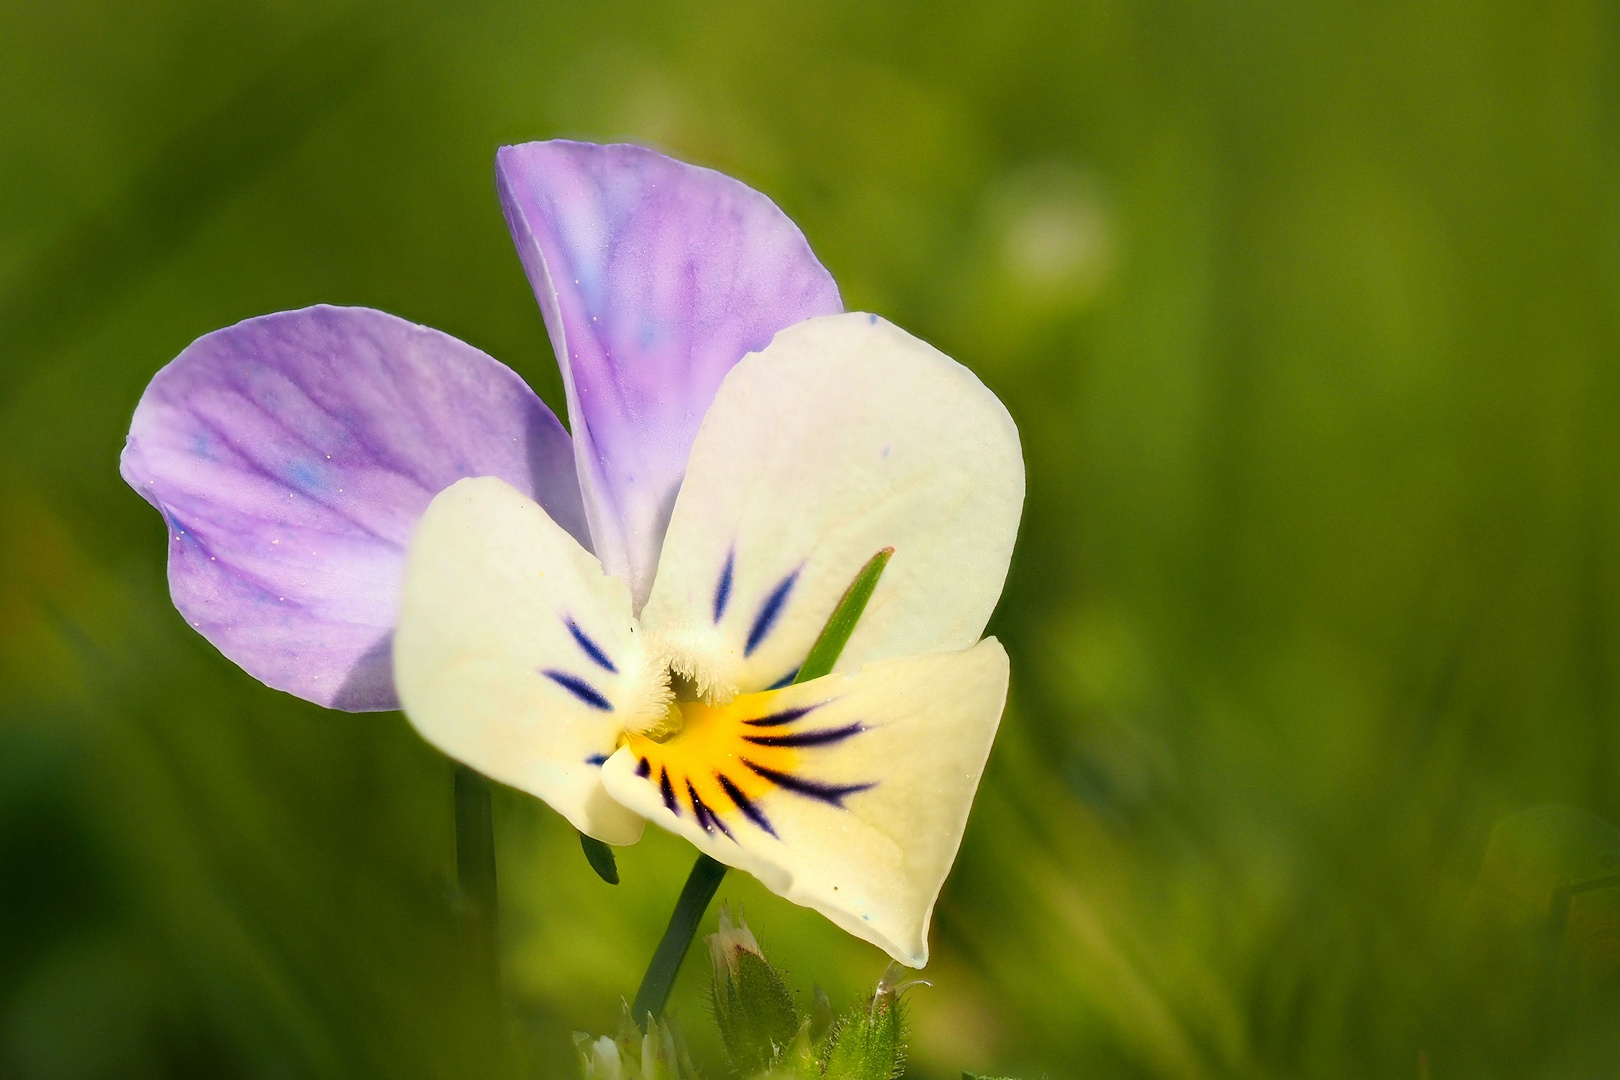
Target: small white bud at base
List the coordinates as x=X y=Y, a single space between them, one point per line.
x=731 y=939
x=602 y=1063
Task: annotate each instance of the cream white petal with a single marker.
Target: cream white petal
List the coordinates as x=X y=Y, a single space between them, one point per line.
x=515 y=654
x=846 y=435
x=847 y=794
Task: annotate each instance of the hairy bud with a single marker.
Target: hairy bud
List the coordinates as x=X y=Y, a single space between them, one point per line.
x=869 y=1041
x=753 y=1006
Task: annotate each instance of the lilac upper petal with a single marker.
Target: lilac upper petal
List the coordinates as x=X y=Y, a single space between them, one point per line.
x=654 y=277
x=292 y=454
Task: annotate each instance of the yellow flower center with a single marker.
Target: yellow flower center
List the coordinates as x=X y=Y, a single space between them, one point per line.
x=719 y=760
x=719 y=763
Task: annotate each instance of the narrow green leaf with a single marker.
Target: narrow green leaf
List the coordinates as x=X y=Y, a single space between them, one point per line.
x=600 y=856
x=835 y=635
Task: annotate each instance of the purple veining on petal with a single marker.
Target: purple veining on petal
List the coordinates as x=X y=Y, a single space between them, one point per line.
x=768 y=611
x=807 y=738
x=666 y=789
x=720 y=824
x=581 y=689
x=786 y=716
x=654 y=277
x=831 y=794
x=722 y=588
x=786 y=680
x=591 y=648
x=745 y=804
x=706 y=817
x=292 y=454
x=699 y=811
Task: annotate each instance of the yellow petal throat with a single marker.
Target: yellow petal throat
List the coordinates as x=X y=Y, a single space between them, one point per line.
x=725 y=759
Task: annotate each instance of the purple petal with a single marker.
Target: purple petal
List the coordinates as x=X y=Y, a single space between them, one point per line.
x=655 y=277
x=292 y=454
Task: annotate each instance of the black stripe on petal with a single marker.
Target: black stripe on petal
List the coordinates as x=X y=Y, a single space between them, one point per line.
x=591 y=648
x=768 y=611
x=786 y=680
x=581 y=689
x=807 y=738
x=644 y=769
x=832 y=794
x=706 y=817
x=699 y=811
x=777 y=719
x=668 y=791
x=745 y=804
x=722 y=590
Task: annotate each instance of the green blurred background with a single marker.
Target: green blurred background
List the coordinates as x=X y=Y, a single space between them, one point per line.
x=1307 y=313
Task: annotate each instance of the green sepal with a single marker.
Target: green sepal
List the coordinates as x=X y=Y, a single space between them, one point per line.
x=835 y=635
x=868 y=1042
x=753 y=1006
x=659 y=1054
x=600 y=856
x=821 y=1014
x=755 y=1014
x=800 y=1061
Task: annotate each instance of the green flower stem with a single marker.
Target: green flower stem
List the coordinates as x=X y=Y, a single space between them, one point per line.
x=701 y=885
x=704 y=880
x=475 y=861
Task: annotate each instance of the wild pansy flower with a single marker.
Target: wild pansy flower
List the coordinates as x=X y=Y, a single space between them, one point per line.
x=368 y=514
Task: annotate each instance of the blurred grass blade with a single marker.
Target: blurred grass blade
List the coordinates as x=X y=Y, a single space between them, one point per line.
x=475 y=840
x=164 y=205
x=475 y=865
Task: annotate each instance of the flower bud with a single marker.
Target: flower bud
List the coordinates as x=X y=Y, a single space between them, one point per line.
x=660 y=1054
x=753 y=1006
x=869 y=1041
x=599 y=1058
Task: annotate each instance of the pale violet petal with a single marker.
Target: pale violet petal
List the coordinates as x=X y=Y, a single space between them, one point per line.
x=516 y=655
x=845 y=436
x=291 y=454
x=847 y=794
x=654 y=277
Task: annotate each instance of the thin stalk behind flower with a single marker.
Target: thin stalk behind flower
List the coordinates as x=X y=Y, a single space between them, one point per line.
x=475 y=852
x=704 y=880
